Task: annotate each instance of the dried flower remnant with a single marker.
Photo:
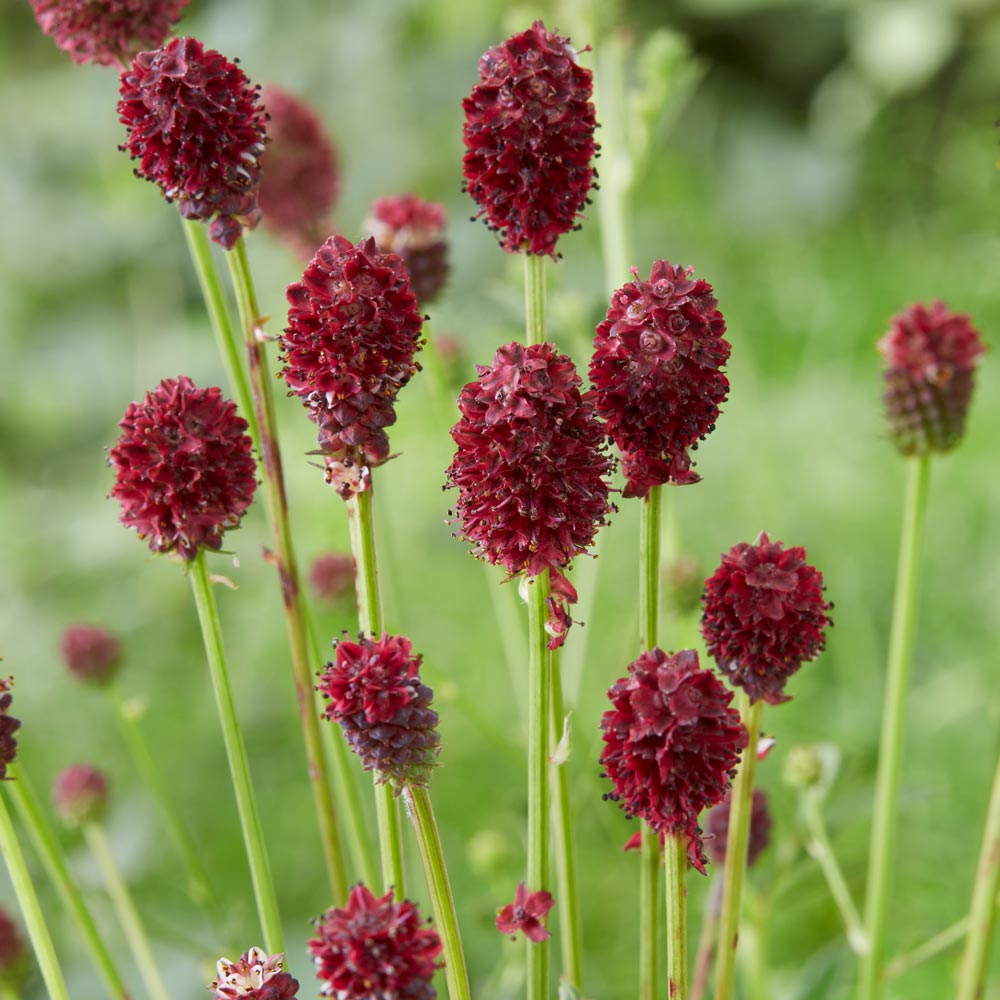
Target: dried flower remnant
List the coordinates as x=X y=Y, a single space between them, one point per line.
x=764 y=615
x=657 y=374
x=8 y=726
x=529 y=138
x=256 y=976
x=184 y=472
x=672 y=743
x=529 y=463
x=526 y=914
x=375 y=693
x=930 y=356
x=92 y=654
x=107 y=32
x=332 y=576
x=80 y=795
x=375 y=948
x=196 y=129
x=717 y=829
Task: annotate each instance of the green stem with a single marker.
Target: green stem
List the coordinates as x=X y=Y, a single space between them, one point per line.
x=706 y=942
x=34 y=919
x=904 y=615
x=650 y=867
x=288 y=573
x=128 y=915
x=534 y=297
x=933 y=946
x=736 y=853
x=389 y=838
x=50 y=851
x=649 y=568
x=418 y=802
x=675 y=852
x=246 y=804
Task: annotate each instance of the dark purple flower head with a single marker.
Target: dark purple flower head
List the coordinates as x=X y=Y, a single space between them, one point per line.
x=717 y=828
x=526 y=914
x=353 y=330
x=80 y=795
x=375 y=949
x=671 y=743
x=92 y=654
x=107 y=32
x=183 y=467
x=256 y=976
x=414 y=229
x=529 y=464
x=196 y=128
x=332 y=575
x=13 y=954
x=529 y=139
x=8 y=726
x=657 y=374
x=764 y=616
x=930 y=357
x=376 y=695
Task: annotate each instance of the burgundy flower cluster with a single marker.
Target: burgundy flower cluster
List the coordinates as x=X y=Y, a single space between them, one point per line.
x=672 y=743
x=657 y=374
x=529 y=138
x=256 y=976
x=183 y=468
x=375 y=947
x=930 y=356
x=529 y=464
x=8 y=726
x=765 y=615
x=80 y=795
x=196 y=128
x=92 y=654
x=376 y=695
x=353 y=330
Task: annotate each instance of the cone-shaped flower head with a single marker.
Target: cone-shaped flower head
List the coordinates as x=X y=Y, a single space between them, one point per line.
x=529 y=463
x=717 y=828
x=107 y=32
x=376 y=695
x=8 y=726
x=764 y=616
x=414 y=229
x=256 y=976
x=353 y=330
x=526 y=914
x=332 y=576
x=930 y=357
x=529 y=139
x=375 y=949
x=196 y=129
x=671 y=743
x=92 y=654
x=13 y=954
x=300 y=177
x=183 y=467
x=80 y=795
x=657 y=374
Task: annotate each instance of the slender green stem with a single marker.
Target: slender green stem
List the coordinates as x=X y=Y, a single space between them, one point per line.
x=929 y=949
x=649 y=568
x=8 y=991
x=706 y=943
x=534 y=298
x=246 y=804
x=753 y=962
x=650 y=869
x=389 y=838
x=418 y=803
x=736 y=853
x=50 y=851
x=675 y=852
x=288 y=573
x=904 y=616
x=34 y=919
x=128 y=915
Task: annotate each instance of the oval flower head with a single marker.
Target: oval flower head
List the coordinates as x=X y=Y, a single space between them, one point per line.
x=80 y=795
x=256 y=976
x=92 y=654
x=764 y=616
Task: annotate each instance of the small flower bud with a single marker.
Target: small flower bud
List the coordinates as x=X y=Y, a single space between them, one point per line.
x=717 y=828
x=811 y=767
x=332 y=576
x=256 y=976
x=93 y=655
x=80 y=795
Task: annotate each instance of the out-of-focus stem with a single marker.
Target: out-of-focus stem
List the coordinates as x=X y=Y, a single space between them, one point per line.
x=675 y=853
x=706 y=943
x=933 y=946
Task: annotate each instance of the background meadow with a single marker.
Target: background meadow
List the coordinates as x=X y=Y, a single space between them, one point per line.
x=823 y=165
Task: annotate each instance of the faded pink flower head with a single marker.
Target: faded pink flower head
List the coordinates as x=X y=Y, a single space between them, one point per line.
x=13 y=953
x=671 y=743
x=8 y=726
x=80 y=795
x=332 y=575
x=657 y=374
x=717 y=828
x=529 y=139
x=526 y=914
x=107 y=32
x=196 y=129
x=92 y=654
x=764 y=615
x=930 y=357
x=184 y=472
x=256 y=976
x=375 y=949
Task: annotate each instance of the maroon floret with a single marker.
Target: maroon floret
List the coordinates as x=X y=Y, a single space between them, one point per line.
x=526 y=915
x=255 y=976
x=80 y=794
x=332 y=575
x=717 y=829
x=92 y=654
x=8 y=726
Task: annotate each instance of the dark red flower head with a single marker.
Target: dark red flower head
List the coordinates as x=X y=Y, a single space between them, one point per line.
x=13 y=954
x=92 y=654
x=301 y=178
x=764 y=616
x=107 y=32
x=375 y=949
x=80 y=794
x=529 y=139
x=183 y=467
x=930 y=357
x=657 y=374
x=526 y=914
x=672 y=743
x=196 y=128
x=529 y=464
x=376 y=695
x=256 y=976
x=717 y=828
x=8 y=726
x=332 y=575
x=353 y=330
x=414 y=229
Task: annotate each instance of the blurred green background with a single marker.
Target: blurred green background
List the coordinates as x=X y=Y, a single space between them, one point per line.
x=822 y=164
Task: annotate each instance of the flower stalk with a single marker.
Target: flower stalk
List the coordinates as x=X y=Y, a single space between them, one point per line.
x=675 y=854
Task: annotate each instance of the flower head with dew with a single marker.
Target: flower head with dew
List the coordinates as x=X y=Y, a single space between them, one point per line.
x=255 y=976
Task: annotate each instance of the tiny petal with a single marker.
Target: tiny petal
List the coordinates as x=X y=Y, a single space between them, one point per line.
x=80 y=795
x=92 y=654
